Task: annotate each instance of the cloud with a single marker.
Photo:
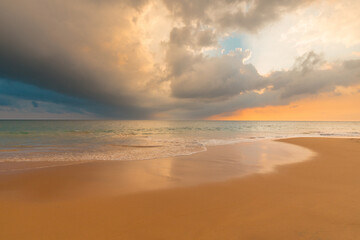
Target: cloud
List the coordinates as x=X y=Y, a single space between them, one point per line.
x=327 y=26
x=19 y=99
x=193 y=37
x=248 y=15
x=102 y=57
x=310 y=75
x=216 y=77
x=87 y=49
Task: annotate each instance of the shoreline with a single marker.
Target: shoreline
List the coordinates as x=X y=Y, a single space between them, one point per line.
x=315 y=199
x=24 y=165
x=53 y=163
x=217 y=164
x=9 y=166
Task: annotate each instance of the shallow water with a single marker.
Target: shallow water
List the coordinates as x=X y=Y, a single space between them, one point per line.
x=139 y=140
x=217 y=164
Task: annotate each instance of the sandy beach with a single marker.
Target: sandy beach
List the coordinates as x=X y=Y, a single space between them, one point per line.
x=313 y=199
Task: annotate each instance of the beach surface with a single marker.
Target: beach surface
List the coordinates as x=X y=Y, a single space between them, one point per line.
x=189 y=197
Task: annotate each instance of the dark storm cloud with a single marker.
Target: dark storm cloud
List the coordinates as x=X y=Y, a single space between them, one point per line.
x=33 y=93
x=19 y=96
x=58 y=46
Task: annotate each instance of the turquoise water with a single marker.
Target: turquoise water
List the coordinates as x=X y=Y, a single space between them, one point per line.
x=136 y=140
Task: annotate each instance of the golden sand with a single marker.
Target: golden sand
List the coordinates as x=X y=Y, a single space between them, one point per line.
x=317 y=199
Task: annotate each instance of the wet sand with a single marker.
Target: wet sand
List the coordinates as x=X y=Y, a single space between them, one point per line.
x=316 y=199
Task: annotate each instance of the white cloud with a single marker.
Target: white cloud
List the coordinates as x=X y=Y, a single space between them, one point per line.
x=329 y=27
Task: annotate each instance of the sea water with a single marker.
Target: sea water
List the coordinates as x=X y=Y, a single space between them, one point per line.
x=53 y=140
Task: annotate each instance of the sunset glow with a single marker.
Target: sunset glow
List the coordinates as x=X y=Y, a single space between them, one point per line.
x=324 y=107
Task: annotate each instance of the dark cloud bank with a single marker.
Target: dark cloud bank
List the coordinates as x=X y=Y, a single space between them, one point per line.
x=66 y=53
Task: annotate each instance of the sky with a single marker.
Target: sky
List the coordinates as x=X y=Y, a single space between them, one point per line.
x=171 y=59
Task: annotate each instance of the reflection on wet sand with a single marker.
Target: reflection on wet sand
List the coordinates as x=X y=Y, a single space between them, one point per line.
x=218 y=163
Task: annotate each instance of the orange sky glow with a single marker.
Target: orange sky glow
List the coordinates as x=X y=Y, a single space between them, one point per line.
x=341 y=106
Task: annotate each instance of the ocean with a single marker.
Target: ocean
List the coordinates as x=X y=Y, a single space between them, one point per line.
x=65 y=140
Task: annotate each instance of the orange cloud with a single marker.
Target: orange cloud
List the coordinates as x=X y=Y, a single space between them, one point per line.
x=341 y=105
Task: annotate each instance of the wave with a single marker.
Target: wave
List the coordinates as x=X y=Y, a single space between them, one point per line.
x=119 y=140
